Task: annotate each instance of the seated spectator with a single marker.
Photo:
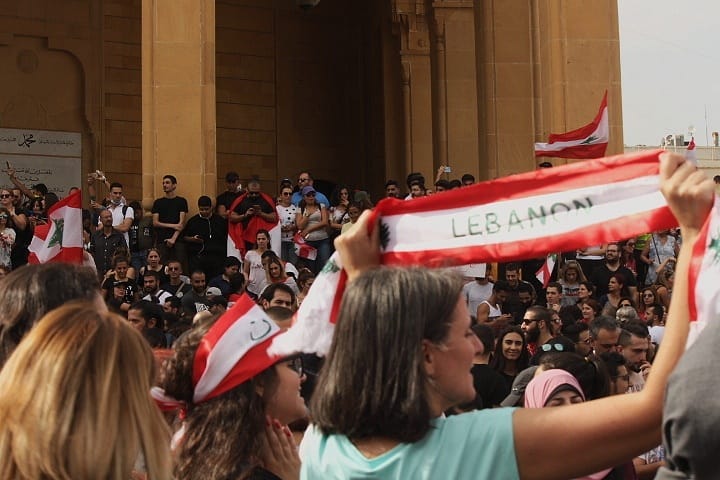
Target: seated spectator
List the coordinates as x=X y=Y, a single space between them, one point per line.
x=232 y=266
x=76 y=390
x=571 y=276
x=275 y=273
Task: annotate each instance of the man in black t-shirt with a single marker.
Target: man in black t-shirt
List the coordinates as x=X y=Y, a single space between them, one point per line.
x=600 y=277
x=169 y=214
x=226 y=198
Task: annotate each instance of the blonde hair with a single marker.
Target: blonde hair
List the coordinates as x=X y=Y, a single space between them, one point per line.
x=75 y=402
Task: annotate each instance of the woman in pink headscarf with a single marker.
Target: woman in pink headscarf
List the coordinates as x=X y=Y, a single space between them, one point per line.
x=556 y=388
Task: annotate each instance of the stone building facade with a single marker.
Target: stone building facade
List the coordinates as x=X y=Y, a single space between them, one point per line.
x=357 y=91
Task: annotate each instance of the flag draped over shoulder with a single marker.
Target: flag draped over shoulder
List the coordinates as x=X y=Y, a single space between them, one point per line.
x=513 y=218
x=238 y=235
x=704 y=294
x=61 y=239
x=585 y=142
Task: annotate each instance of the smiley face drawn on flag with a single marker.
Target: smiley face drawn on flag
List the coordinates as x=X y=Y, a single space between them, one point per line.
x=259 y=329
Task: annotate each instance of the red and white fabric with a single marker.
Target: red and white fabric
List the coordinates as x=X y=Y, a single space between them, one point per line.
x=704 y=294
x=545 y=271
x=61 y=238
x=302 y=248
x=513 y=218
x=238 y=235
x=585 y=142
x=234 y=350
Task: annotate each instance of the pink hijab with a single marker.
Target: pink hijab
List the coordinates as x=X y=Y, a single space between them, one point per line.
x=541 y=388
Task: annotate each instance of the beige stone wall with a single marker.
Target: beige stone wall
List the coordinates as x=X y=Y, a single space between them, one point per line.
x=357 y=92
x=122 y=95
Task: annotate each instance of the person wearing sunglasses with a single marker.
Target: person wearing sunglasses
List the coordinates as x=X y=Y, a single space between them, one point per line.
x=306 y=180
x=312 y=223
x=287 y=212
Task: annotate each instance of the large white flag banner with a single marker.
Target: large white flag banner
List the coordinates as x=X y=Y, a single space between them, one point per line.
x=513 y=218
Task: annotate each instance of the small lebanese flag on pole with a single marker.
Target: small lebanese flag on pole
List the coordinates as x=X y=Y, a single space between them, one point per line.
x=589 y=141
x=543 y=275
x=60 y=240
x=691 y=154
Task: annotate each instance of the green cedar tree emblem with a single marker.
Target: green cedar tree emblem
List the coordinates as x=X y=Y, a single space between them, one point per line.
x=57 y=235
x=330 y=267
x=589 y=140
x=715 y=247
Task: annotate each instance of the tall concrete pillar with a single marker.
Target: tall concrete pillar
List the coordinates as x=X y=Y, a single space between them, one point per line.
x=178 y=97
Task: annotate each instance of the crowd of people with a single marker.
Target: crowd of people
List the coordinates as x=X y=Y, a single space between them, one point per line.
x=421 y=364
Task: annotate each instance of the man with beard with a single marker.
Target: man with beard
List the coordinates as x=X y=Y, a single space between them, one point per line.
x=195 y=301
x=633 y=344
x=537 y=325
x=514 y=305
x=151 y=288
x=600 y=277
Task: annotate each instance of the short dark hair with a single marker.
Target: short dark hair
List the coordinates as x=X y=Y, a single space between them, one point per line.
x=269 y=292
x=174 y=301
x=149 y=311
x=501 y=286
x=455 y=183
x=590 y=372
x=171 y=178
x=513 y=266
x=415 y=177
x=632 y=328
x=613 y=361
x=467 y=178
x=603 y=322
x=232 y=177
x=152 y=273
x=204 y=201
x=525 y=288
x=541 y=314
x=41 y=187
x=486 y=336
x=391 y=182
x=443 y=183
x=574 y=330
x=232 y=261
x=658 y=310
x=115 y=185
x=554 y=285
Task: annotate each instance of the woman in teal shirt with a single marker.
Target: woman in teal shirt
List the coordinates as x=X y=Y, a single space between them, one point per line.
x=402 y=353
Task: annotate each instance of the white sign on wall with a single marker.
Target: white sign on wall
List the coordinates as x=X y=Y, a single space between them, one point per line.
x=42 y=156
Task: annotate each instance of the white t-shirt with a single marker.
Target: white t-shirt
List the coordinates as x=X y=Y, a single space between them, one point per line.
x=119 y=217
x=475 y=293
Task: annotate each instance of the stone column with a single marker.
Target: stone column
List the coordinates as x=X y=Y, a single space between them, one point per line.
x=457 y=100
x=410 y=23
x=178 y=97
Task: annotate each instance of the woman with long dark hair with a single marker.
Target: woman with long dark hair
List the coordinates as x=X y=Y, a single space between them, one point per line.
x=237 y=398
x=511 y=355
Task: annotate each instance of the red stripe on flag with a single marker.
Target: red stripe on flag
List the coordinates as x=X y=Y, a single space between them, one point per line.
x=696 y=261
x=625 y=227
x=543 y=181
x=593 y=150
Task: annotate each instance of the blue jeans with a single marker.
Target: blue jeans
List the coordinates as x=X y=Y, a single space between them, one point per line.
x=323 y=254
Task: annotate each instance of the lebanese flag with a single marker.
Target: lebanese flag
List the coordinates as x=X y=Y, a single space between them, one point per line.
x=60 y=240
x=238 y=235
x=690 y=153
x=589 y=141
x=302 y=248
x=545 y=272
x=704 y=294
x=512 y=218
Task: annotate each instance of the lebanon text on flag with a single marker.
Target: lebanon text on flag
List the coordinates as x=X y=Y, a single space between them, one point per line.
x=585 y=142
x=513 y=218
x=60 y=240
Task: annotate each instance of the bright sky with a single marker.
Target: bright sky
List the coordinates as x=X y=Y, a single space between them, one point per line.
x=670 y=67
